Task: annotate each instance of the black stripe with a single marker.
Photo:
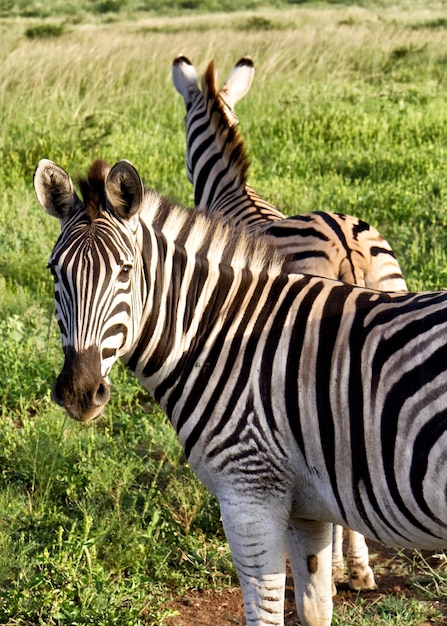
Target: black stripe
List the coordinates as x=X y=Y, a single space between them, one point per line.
x=306 y=254
x=361 y=477
x=328 y=334
x=195 y=289
x=407 y=386
x=294 y=361
x=337 y=230
x=376 y=250
x=149 y=327
x=428 y=436
x=283 y=229
x=180 y=374
x=358 y=228
x=170 y=307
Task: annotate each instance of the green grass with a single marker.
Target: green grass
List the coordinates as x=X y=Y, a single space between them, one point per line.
x=347 y=113
x=95 y=521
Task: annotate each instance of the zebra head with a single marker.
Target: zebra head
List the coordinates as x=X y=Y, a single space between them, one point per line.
x=185 y=80
x=237 y=85
x=96 y=268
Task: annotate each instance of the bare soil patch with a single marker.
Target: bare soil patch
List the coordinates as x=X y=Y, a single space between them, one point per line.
x=225 y=608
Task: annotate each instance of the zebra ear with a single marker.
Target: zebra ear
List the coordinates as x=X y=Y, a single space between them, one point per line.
x=184 y=77
x=54 y=189
x=124 y=190
x=239 y=81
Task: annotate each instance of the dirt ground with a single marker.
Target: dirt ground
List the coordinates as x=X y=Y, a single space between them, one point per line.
x=225 y=608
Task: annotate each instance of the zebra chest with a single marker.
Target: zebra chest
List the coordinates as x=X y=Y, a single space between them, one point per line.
x=229 y=441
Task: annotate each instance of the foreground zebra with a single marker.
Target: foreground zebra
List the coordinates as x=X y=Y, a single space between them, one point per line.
x=298 y=400
x=323 y=244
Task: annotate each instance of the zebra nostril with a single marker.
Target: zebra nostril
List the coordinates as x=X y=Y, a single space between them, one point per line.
x=57 y=396
x=102 y=394
x=101 y=391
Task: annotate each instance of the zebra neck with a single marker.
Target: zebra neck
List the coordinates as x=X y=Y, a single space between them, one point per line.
x=213 y=190
x=191 y=299
x=228 y=314
x=239 y=204
x=217 y=165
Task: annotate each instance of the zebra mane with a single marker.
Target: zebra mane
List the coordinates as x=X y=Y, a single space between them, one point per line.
x=207 y=235
x=198 y=233
x=93 y=189
x=227 y=135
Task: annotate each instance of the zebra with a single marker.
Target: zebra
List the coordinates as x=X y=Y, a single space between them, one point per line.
x=324 y=244
x=319 y=243
x=299 y=401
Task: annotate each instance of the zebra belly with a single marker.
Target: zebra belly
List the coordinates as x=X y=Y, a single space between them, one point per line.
x=246 y=472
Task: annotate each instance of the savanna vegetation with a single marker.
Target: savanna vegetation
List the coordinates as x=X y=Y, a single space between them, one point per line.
x=348 y=112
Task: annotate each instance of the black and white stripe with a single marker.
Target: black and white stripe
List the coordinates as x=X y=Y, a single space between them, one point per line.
x=298 y=400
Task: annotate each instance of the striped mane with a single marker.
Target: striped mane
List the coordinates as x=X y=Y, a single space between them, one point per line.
x=227 y=136
x=198 y=233
x=205 y=235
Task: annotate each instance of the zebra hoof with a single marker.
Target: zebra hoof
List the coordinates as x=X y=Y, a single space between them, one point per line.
x=362 y=581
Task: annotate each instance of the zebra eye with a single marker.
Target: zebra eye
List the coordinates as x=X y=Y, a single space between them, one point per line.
x=124 y=273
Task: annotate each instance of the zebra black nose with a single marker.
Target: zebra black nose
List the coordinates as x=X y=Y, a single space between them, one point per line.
x=80 y=388
x=83 y=404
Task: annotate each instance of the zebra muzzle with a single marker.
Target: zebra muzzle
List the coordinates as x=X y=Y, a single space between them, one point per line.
x=80 y=388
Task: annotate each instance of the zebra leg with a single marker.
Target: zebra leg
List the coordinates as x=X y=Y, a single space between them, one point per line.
x=257 y=537
x=361 y=576
x=309 y=545
x=338 y=568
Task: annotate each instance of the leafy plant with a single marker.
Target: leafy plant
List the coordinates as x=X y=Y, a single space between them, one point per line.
x=109 y=6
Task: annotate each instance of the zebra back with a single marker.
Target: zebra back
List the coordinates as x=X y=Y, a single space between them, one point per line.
x=320 y=243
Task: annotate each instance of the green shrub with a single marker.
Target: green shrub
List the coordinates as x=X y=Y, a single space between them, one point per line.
x=109 y=6
x=45 y=30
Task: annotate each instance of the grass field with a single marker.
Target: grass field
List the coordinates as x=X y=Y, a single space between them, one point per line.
x=348 y=112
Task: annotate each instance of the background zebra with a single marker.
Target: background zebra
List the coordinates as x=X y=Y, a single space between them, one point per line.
x=298 y=400
x=323 y=244
x=319 y=243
